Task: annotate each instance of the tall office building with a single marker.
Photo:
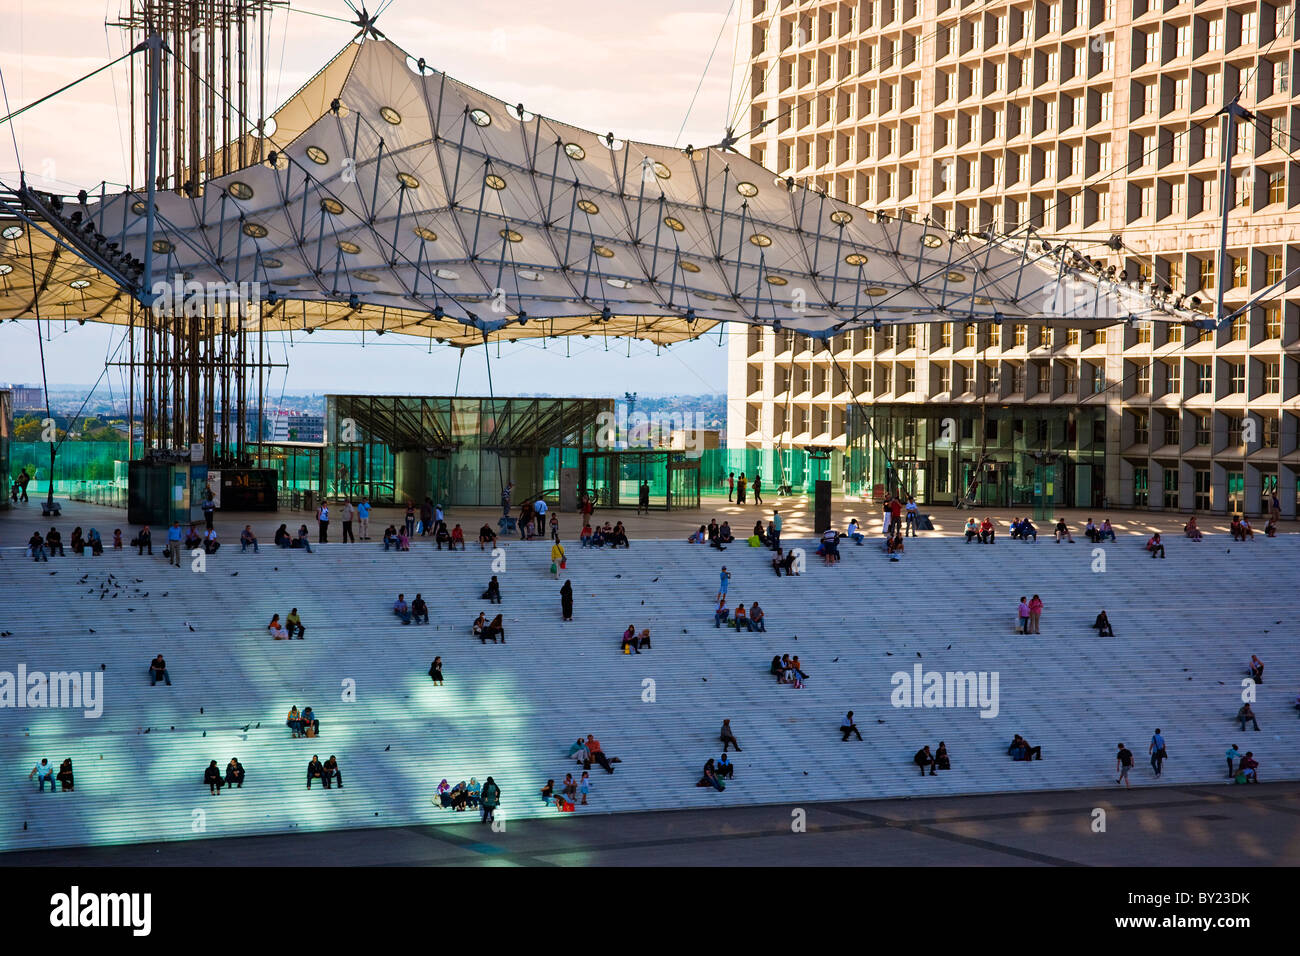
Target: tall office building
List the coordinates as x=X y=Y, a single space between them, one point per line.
x=1097 y=123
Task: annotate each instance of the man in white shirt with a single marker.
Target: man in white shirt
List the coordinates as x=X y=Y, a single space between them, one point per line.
x=911 y=516
x=323 y=518
x=539 y=508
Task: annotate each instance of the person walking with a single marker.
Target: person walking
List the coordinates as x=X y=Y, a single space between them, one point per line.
x=731 y=484
x=209 y=506
x=557 y=559
x=910 y=518
x=775 y=540
x=363 y=519
x=566 y=601
x=506 y=492
x=758 y=488
x=1123 y=764
x=740 y=488
x=348 y=512
x=1157 y=751
x=727 y=737
x=1022 y=616
x=323 y=521
x=489 y=799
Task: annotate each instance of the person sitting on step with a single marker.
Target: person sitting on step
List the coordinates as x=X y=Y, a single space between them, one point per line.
x=212 y=777
x=724 y=533
x=310 y=725
x=617 y=536
x=247 y=539
x=972 y=530
x=419 y=610
x=493 y=592
x=293 y=624
x=278 y=630
x=235 y=774
x=314 y=769
x=457 y=539
x=1106 y=531
x=941 y=757
x=988 y=533
x=777 y=668
x=741 y=618
x=303 y=541
x=192 y=537
x=629 y=640
x=923 y=758
x=65 y=775
x=494 y=630
x=1063 y=532
x=401 y=609
x=1190 y=529
x=1155 y=546
x=487 y=538
x=480 y=622
x=330 y=772
x=282 y=537
x=894 y=546
x=294 y=721
x=756 y=618
x=54 y=544
x=1102 y=625
x=710 y=778
x=721 y=614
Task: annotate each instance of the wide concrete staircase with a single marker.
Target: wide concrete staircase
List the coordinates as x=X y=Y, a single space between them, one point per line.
x=1186 y=627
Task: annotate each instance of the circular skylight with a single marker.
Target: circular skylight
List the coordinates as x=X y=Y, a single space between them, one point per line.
x=270 y=262
x=931 y=241
x=255 y=230
x=5 y=268
x=390 y=115
x=574 y=151
x=587 y=206
x=162 y=246
x=332 y=206
x=349 y=247
x=662 y=171
x=479 y=118
x=510 y=235
x=676 y=225
x=877 y=290
x=446 y=274
x=777 y=280
x=425 y=233
x=79 y=283
x=12 y=232
x=494 y=181
x=366 y=276
x=604 y=253
x=240 y=190
x=856 y=259
x=317 y=155
x=760 y=240
x=689 y=266
x=138 y=207
x=956 y=276
x=532 y=275
x=408 y=181
x=620 y=283
x=747 y=189
x=841 y=217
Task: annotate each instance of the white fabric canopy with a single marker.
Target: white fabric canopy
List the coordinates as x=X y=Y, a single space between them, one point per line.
x=402 y=200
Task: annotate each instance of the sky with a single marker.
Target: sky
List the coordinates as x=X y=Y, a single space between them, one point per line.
x=623 y=66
